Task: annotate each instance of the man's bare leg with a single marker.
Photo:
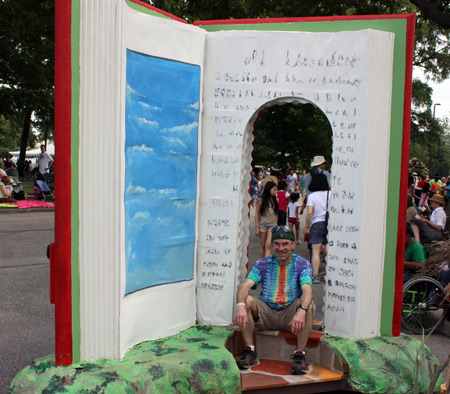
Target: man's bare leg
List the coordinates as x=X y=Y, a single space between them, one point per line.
x=248 y=357
x=252 y=313
x=303 y=335
x=268 y=243
x=299 y=357
x=262 y=245
x=315 y=261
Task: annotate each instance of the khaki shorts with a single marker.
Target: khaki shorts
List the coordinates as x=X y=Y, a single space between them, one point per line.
x=265 y=229
x=270 y=319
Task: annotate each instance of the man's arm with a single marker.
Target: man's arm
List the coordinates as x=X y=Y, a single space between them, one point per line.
x=240 y=316
x=297 y=323
x=435 y=226
x=243 y=290
x=413 y=265
x=50 y=160
x=307 y=296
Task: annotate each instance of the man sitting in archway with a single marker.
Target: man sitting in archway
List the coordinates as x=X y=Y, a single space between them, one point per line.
x=285 y=302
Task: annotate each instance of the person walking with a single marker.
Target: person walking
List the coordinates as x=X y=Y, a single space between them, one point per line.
x=293 y=219
x=318 y=165
x=291 y=181
x=266 y=217
x=283 y=200
x=301 y=184
x=316 y=220
x=424 y=186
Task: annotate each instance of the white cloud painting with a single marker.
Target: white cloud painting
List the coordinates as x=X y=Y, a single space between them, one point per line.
x=162 y=113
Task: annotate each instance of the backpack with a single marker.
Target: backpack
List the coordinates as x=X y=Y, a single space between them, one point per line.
x=319 y=180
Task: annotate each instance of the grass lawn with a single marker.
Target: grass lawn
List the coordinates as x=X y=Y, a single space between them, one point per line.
x=29 y=190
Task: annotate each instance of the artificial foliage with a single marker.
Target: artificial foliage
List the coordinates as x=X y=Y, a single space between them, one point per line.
x=386 y=364
x=193 y=361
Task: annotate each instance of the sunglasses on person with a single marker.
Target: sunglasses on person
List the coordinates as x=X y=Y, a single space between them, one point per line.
x=285 y=229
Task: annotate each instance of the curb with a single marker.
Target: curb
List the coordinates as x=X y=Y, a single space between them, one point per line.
x=7 y=211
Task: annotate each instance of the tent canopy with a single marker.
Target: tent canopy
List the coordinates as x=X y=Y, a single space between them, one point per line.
x=36 y=151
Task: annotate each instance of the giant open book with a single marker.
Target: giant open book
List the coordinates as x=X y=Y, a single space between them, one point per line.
x=156 y=119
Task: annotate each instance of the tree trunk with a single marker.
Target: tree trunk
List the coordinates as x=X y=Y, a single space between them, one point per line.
x=24 y=141
x=432 y=12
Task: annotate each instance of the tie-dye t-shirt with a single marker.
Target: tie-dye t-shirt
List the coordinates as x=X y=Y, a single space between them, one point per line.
x=281 y=285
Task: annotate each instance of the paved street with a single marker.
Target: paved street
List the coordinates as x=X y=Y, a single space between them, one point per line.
x=26 y=315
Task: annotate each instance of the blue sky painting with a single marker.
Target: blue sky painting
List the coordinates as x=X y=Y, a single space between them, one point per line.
x=161 y=126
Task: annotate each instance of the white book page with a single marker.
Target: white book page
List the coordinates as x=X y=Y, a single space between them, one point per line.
x=246 y=71
x=161 y=125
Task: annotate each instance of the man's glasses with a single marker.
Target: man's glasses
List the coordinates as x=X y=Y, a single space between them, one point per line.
x=285 y=229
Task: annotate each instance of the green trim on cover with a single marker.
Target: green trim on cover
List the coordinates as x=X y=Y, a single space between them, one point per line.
x=398 y=27
x=394 y=177
x=74 y=162
x=145 y=10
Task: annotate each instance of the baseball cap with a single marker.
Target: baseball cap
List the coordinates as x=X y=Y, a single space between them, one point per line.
x=282 y=233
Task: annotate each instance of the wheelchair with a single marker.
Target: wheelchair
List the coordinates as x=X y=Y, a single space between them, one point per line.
x=424 y=304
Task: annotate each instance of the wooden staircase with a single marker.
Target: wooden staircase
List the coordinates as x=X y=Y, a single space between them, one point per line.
x=273 y=372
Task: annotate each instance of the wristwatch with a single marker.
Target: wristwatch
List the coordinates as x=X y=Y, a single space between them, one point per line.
x=305 y=308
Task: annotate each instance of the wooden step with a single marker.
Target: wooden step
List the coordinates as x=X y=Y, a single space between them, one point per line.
x=273 y=373
x=280 y=345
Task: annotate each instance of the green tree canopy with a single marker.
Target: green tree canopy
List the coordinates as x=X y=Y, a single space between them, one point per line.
x=27 y=61
x=432 y=57
x=291 y=134
x=26 y=64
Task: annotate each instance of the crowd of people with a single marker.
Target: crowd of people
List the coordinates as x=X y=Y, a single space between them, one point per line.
x=6 y=163
x=427 y=210
x=280 y=197
x=44 y=165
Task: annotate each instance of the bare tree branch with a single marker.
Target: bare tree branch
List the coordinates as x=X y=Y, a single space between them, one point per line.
x=435 y=377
